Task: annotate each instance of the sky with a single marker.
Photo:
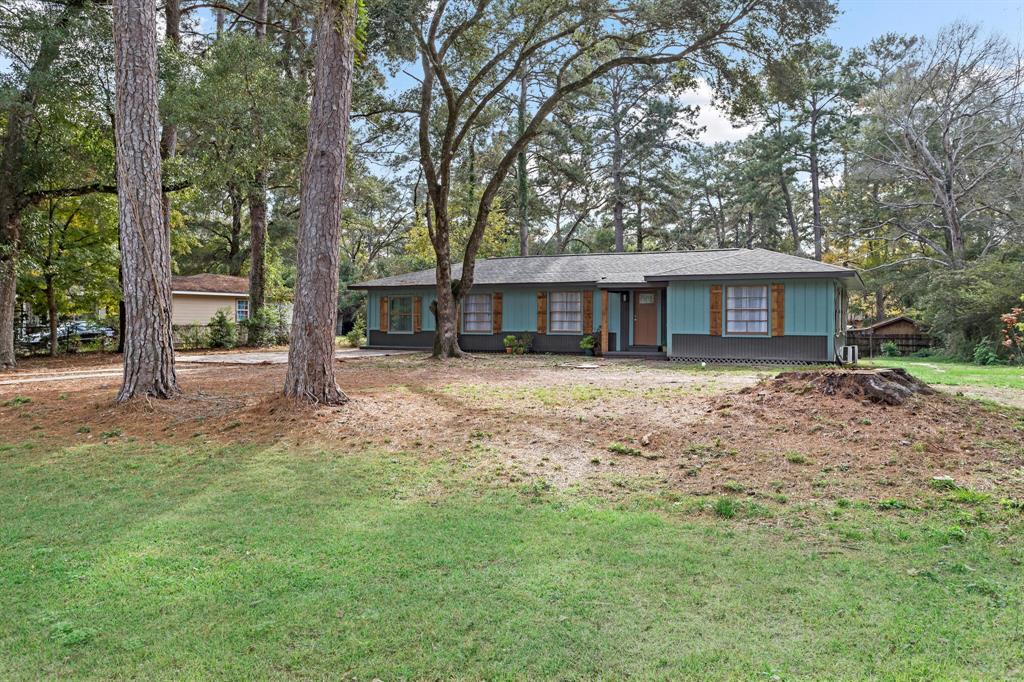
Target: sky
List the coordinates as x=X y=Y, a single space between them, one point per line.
x=860 y=21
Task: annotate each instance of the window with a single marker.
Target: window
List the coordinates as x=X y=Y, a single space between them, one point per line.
x=746 y=310
x=400 y=315
x=241 y=309
x=566 y=312
x=476 y=314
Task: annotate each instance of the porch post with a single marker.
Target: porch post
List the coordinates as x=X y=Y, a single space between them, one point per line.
x=604 y=321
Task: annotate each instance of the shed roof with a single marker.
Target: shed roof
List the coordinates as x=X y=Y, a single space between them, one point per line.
x=885 y=323
x=627 y=269
x=209 y=283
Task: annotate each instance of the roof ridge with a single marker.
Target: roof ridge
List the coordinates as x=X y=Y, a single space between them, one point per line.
x=611 y=253
x=710 y=260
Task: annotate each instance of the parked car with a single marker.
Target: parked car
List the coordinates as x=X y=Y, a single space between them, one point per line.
x=83 y=330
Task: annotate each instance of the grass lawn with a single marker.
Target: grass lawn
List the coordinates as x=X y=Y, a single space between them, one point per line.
x=947 y=372
x=195 y=560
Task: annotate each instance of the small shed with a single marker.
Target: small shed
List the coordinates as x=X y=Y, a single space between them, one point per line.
x=904 y=331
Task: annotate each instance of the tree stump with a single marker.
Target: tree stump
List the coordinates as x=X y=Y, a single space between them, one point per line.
x=889 y=386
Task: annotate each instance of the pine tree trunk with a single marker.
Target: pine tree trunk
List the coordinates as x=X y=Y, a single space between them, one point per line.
x=258 y=205
x=169 y=135
x=522 y=188
x=10 y=238
x=815 y=189
x=51 y=312
x=145 y=242
x=257 y=243
x=311 y=353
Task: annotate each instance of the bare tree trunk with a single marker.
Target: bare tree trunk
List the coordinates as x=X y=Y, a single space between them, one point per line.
x=523 y=190
x=815 y=187
x=10 y=240
x=879 y=304
x=618 y=204
x=235 y=241
x=51 y=312
x=311 y=353
x=169 y=135
x=258 y=206
x=790 y=216
x=145 y=241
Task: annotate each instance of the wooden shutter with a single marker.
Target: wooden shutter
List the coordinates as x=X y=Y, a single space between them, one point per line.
x=716 y=310
x=496 y=312
x=383 y=314
x=588 y=312
x=542 y=312
x=417 y=314
x=604 y=321
x=778 y=309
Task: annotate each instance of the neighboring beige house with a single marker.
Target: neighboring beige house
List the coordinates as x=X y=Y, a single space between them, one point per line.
x=197 y=298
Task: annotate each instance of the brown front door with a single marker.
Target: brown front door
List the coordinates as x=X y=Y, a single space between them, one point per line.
x=645 y=317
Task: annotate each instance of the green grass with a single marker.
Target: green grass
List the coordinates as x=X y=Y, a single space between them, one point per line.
x=950 y=373
x=128 y=561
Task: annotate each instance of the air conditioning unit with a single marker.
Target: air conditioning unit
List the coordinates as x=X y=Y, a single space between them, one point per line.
x=849 y=355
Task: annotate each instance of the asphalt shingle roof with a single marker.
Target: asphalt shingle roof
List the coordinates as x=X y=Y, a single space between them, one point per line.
x=605 y=269
x=209 y=283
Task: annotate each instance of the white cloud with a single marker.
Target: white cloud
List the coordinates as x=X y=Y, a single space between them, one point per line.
x=717 y=126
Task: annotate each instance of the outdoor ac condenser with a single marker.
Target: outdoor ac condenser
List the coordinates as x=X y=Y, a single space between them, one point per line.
x=848 y=355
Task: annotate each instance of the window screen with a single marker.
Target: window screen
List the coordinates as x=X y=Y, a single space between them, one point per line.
x=566 y=311
x=400 y=314
x=476 y=314
x=747 y=310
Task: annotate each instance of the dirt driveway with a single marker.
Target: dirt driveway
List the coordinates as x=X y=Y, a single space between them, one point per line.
x=607 y=426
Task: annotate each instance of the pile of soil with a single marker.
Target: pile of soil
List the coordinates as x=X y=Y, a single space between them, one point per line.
x=890 y=386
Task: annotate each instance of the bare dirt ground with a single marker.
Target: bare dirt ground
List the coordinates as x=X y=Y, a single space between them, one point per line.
x=624 y=425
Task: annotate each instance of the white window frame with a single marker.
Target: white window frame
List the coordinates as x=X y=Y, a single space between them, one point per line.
x=747 y=309
x=554 y=302
x=391 y=315
x=239 y=317
x=478 y=320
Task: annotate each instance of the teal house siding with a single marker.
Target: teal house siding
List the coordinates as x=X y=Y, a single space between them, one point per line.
x=613 y=319
x=373 y=310
x=689 y=308
x=373 y=306
x=809 y=307
x=519 y=310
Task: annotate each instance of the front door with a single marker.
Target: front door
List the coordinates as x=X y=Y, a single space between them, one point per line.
x=645 y=318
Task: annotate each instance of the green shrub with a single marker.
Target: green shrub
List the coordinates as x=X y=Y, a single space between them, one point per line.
x=357 y=335
x=890 y=349
x=588 y=342
x=222 y=330
x=985 y=354
x=192 y=336
x=266 y=327
x=923 y=353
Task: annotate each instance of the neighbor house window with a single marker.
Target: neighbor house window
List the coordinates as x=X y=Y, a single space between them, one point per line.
x=400 y=314
x=746 y=310
x=566 y=311
x=241 y=310
x=476 y=314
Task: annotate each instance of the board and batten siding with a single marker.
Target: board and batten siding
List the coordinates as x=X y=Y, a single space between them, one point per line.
x=200 y=308
x=809 y=307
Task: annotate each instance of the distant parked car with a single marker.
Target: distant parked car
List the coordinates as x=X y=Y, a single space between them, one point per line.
x=84 y=330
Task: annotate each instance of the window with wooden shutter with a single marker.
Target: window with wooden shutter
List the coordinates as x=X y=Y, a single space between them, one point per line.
x=476 y=315
x=496 y=312
x=383 y=314
x=716 y=310
x=542 y=312
x=417 y=314
x=778 y=309
x=588 y=312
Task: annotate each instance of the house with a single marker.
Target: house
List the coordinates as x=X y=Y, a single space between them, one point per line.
x=904 y=331
x=197 y=298
x=717 y=305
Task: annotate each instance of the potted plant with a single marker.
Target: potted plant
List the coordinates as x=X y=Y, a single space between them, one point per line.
x=524 y=344
x=510 y=342
x=587 y=343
